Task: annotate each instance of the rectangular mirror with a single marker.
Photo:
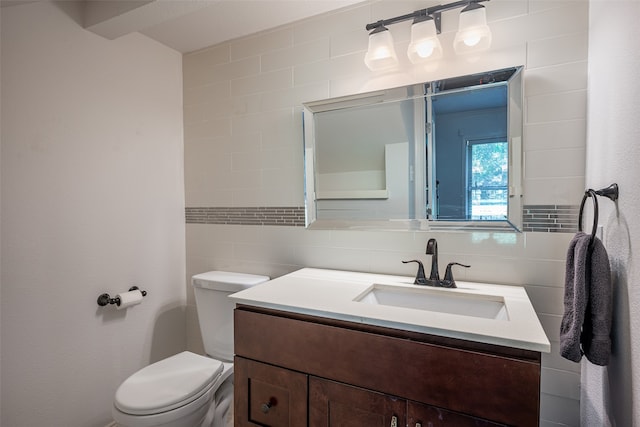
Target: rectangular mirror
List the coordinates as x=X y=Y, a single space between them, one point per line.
x=445 y=154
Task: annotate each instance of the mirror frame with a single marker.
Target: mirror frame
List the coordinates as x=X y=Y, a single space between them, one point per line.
x=514 y=135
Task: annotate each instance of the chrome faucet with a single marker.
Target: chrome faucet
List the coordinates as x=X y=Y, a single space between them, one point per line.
x=434 y=276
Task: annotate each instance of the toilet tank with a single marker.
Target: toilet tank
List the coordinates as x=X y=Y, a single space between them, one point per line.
x=215 y=309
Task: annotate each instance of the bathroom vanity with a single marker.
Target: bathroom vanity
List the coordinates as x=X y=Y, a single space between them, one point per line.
x=312 y=348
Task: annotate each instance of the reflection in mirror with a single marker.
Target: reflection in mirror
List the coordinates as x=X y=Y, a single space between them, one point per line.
x=433 y=155
x=470 y=152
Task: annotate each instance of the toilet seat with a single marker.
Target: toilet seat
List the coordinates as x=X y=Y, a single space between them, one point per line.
x=167 y=384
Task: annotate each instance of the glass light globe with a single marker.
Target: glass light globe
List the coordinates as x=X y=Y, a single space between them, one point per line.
x=381 y=53
x=473 y=32
x=425 y=44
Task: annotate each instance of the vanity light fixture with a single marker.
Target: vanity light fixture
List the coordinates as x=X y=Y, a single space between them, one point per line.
x=473 y=34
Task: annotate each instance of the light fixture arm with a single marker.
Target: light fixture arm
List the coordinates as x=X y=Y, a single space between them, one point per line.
x=433 y=11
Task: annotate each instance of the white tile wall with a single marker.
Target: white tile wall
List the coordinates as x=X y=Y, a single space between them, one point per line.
x=243 y=147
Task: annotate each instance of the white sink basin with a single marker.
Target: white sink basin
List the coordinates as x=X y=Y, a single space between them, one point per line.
x=439 y=300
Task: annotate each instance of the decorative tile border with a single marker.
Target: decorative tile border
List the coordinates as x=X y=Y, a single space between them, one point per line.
x=289 y=216
x=550 y=218
x=536 y=218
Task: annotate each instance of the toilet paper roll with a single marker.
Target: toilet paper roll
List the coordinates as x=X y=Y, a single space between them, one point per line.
x=127 y=299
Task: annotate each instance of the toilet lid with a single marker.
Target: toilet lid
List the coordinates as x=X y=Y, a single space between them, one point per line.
x=167 y=384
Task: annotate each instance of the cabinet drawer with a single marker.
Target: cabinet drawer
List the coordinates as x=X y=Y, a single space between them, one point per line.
x=269 y=396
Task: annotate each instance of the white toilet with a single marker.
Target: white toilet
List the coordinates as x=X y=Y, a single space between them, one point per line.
x=189 y=390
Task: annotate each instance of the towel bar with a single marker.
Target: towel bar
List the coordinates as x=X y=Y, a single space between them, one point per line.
x=610 y=192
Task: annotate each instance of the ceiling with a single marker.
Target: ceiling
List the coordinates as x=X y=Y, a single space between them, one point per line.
x=221 y=20
x=189 y=25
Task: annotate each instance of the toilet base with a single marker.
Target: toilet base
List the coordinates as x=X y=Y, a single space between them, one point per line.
x=220 y=413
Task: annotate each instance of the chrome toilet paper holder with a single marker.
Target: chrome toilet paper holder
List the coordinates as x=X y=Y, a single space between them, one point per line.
x=106 y=299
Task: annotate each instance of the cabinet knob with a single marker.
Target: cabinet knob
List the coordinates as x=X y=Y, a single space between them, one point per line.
x=265 y=407
x=394 y=421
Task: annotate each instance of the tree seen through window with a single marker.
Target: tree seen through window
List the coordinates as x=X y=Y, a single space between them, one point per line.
x=488 y=172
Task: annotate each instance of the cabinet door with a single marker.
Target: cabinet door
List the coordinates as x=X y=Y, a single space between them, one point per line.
x=268 y=396
x=333 y=404
x=421 y=415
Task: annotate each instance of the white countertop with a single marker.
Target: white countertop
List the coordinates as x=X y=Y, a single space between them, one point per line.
x=334 y=294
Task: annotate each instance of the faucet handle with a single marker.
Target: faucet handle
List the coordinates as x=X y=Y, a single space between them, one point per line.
x=420 y=277
x=448 y=281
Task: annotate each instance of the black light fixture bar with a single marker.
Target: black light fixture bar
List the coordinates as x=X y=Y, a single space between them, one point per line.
x=433 y=11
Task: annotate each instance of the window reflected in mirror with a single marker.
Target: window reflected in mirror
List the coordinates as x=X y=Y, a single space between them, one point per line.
x=471 y=168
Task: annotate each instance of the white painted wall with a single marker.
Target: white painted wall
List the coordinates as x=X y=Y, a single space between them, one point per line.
x=0 y=222
x=611 y=396
x=92 y=202
x=243 y=147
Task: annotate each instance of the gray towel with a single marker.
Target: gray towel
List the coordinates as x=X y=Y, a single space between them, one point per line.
x=588 y=299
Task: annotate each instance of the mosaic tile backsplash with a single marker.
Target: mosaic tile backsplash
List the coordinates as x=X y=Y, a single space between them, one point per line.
x=288 y=216
x=550 y=218
x=536 y=218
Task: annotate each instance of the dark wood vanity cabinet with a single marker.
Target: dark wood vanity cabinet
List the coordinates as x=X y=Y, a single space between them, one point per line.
x=298 y=370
